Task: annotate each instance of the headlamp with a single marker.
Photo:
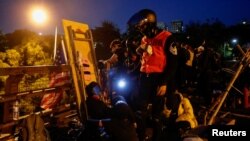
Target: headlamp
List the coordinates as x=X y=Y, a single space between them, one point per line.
x=121 y=83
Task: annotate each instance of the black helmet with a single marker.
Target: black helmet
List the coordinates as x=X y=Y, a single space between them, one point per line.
x=144 y=21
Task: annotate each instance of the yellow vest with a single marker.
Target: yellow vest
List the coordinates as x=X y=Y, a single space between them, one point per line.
x=186 y=113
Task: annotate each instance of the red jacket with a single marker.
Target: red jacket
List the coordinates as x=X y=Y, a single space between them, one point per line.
x=157 y=61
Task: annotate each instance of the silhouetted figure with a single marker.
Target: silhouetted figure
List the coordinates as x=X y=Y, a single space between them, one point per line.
x=158 y=65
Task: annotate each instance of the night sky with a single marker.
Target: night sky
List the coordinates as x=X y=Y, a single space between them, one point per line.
x=14 y=13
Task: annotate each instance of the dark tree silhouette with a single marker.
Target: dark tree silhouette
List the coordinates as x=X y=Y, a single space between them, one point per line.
x=19 y=36
x=103 y=36
x=213 y=32
x=3 y=42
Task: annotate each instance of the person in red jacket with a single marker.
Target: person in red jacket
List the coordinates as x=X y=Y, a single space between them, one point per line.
x=158 y=65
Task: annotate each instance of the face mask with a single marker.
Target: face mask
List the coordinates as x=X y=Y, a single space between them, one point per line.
x=148 y=30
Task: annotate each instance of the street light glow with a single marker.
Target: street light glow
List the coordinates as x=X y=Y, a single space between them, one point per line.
x=234 y=41
x=39 y=15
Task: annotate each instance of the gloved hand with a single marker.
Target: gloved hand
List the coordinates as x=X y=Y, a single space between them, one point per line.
x=141 y=49
x=161 y=90
x=144 y=48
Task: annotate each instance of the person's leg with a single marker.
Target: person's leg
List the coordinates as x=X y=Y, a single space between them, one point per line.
x=142 y=101
x=157 y=109
x=171 y=89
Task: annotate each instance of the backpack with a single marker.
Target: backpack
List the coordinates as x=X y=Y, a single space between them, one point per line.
x=33 y=129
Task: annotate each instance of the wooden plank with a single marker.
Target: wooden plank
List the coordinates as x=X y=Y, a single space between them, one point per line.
x=15 y=96
x=33 y=69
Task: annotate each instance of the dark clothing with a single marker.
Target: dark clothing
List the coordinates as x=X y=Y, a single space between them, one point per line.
x=149 y=83
x=97 y=109
x=170 y=70
x=207 y=65
x=117 y=121
x=121 y=109
x=181 y=75
x=123 y=130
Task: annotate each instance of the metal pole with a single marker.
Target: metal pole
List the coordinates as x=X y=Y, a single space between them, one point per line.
x=245 y=60
x=55 y=44
x=225 y=94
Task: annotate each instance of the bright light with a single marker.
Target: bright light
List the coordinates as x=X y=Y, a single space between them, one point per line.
x=121 y=83
x=234 y=41
x=39 y=15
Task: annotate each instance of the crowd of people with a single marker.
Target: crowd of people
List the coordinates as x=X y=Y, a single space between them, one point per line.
x=161 y=68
